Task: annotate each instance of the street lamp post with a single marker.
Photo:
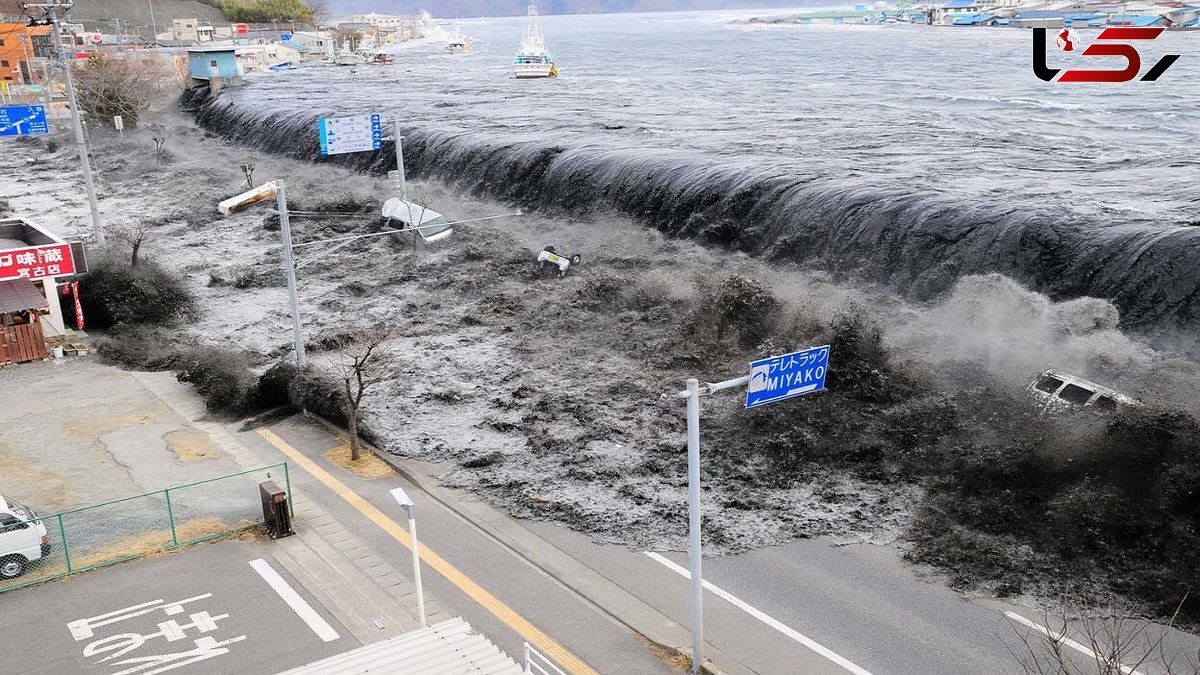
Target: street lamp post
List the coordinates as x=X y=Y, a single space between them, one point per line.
x=410 y=508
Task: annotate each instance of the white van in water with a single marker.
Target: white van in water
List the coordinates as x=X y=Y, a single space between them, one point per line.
x=23 y=538
x=1060 y=390
x=417 y=219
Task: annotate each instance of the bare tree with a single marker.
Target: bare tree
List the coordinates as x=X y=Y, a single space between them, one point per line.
x=1110 y=642
x=362 y=361
x=159 y=142
x=320 y=11
x=110 y=86
x=134 y=235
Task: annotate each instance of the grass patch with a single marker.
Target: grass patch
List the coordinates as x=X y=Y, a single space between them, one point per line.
x=368 y=465
x=190 y=445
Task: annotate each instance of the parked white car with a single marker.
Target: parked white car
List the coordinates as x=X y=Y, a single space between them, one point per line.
x=23 y=538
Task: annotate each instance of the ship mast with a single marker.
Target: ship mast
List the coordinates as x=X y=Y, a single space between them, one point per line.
x=532 y=42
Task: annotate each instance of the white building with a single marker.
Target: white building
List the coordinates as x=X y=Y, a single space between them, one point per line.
x=188 y=29
x=320 y=44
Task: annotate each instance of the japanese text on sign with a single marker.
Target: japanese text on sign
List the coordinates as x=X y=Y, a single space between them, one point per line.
x=172 y=630
x=360 y=133
x=23 y=120
x=779 y=377
x=36 y=262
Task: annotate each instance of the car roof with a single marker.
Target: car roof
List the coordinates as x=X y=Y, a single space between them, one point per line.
x=408 y=212
x=1088 y=384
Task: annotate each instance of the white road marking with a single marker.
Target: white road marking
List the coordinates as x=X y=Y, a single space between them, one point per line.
x=302 y=609
x=1065 y=640
x=766 y=618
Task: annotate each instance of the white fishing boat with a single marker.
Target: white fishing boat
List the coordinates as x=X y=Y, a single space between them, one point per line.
x=347 y=57
x=533 y=60
x=458 y=42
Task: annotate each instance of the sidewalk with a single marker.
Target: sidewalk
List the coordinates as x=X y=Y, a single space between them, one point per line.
x=509 y=584
x=364 y=592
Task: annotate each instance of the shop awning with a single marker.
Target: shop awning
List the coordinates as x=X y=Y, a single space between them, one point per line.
x=20 y=294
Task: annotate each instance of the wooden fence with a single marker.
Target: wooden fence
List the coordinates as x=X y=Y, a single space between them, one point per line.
x=19 y=344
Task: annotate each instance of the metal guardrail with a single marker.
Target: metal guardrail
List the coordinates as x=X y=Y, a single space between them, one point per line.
x=123 y=529
x=537 y=663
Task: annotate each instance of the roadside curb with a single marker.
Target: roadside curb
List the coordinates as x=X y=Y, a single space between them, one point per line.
x=599 y=591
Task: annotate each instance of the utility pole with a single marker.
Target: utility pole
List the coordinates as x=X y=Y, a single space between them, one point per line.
x=400 y=163
x=153 y=25
x=51 y=17
x=289 y=268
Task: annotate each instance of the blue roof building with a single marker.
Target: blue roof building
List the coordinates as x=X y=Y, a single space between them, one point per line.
x=973 y=20
x=1139 y=21
x=217 y=67
x=1092 y=20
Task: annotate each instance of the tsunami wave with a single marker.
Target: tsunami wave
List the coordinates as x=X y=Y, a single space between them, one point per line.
x=914 y=240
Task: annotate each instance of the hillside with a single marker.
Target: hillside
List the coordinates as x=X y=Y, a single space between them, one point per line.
x=100 y=14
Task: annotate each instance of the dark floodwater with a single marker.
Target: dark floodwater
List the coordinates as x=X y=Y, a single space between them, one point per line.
x=910 y=155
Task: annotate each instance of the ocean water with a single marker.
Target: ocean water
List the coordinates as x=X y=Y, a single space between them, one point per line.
x=909 y=155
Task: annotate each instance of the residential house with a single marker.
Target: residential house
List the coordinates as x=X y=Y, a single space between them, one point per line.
x=189 y=29
x=1184 y=17
x=294 y=53
x=939 y=16
x=318 y=44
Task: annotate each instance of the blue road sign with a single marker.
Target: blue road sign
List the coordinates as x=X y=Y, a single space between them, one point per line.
x=23 y=120
x=779 y=377
x=360 y=133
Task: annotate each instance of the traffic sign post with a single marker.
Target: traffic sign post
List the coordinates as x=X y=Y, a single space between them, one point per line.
x=359 y=133
x=23 y=120
x=781 y=377
x=771 y=379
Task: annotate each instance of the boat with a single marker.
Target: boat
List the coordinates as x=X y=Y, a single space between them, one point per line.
x=347 y=57
x=378 y=58
x=533 y=60
x=458 y=42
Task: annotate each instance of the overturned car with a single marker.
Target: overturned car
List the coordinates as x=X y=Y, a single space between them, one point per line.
x=1058 y=390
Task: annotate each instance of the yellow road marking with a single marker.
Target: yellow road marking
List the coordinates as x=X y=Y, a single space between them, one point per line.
x=530 y=633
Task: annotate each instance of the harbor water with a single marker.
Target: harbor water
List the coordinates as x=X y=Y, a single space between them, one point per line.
x=907 y=155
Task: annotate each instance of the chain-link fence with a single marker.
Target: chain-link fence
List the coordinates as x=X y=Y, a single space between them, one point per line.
x=36 y=548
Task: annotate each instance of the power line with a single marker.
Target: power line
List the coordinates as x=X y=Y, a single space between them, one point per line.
x=50 y=17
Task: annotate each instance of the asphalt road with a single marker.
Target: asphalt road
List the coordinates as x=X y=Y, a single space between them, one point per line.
x=590 y=634
x=804 y=607
x=860 y=602
x=114 y=620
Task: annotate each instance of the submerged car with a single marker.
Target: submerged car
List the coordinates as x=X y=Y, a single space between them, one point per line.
x=417 y=221
x=1061 y=390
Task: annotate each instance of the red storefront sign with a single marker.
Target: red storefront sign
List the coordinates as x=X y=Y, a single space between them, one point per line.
x=241 y=28
x=36 y=262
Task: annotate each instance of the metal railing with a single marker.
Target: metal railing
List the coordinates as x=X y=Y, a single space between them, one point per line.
x=537 y=663
x=46 y=547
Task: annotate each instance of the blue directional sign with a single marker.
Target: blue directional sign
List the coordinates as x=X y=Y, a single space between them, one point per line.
x=360 y=133
x=23 y=120
x=779 y=377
